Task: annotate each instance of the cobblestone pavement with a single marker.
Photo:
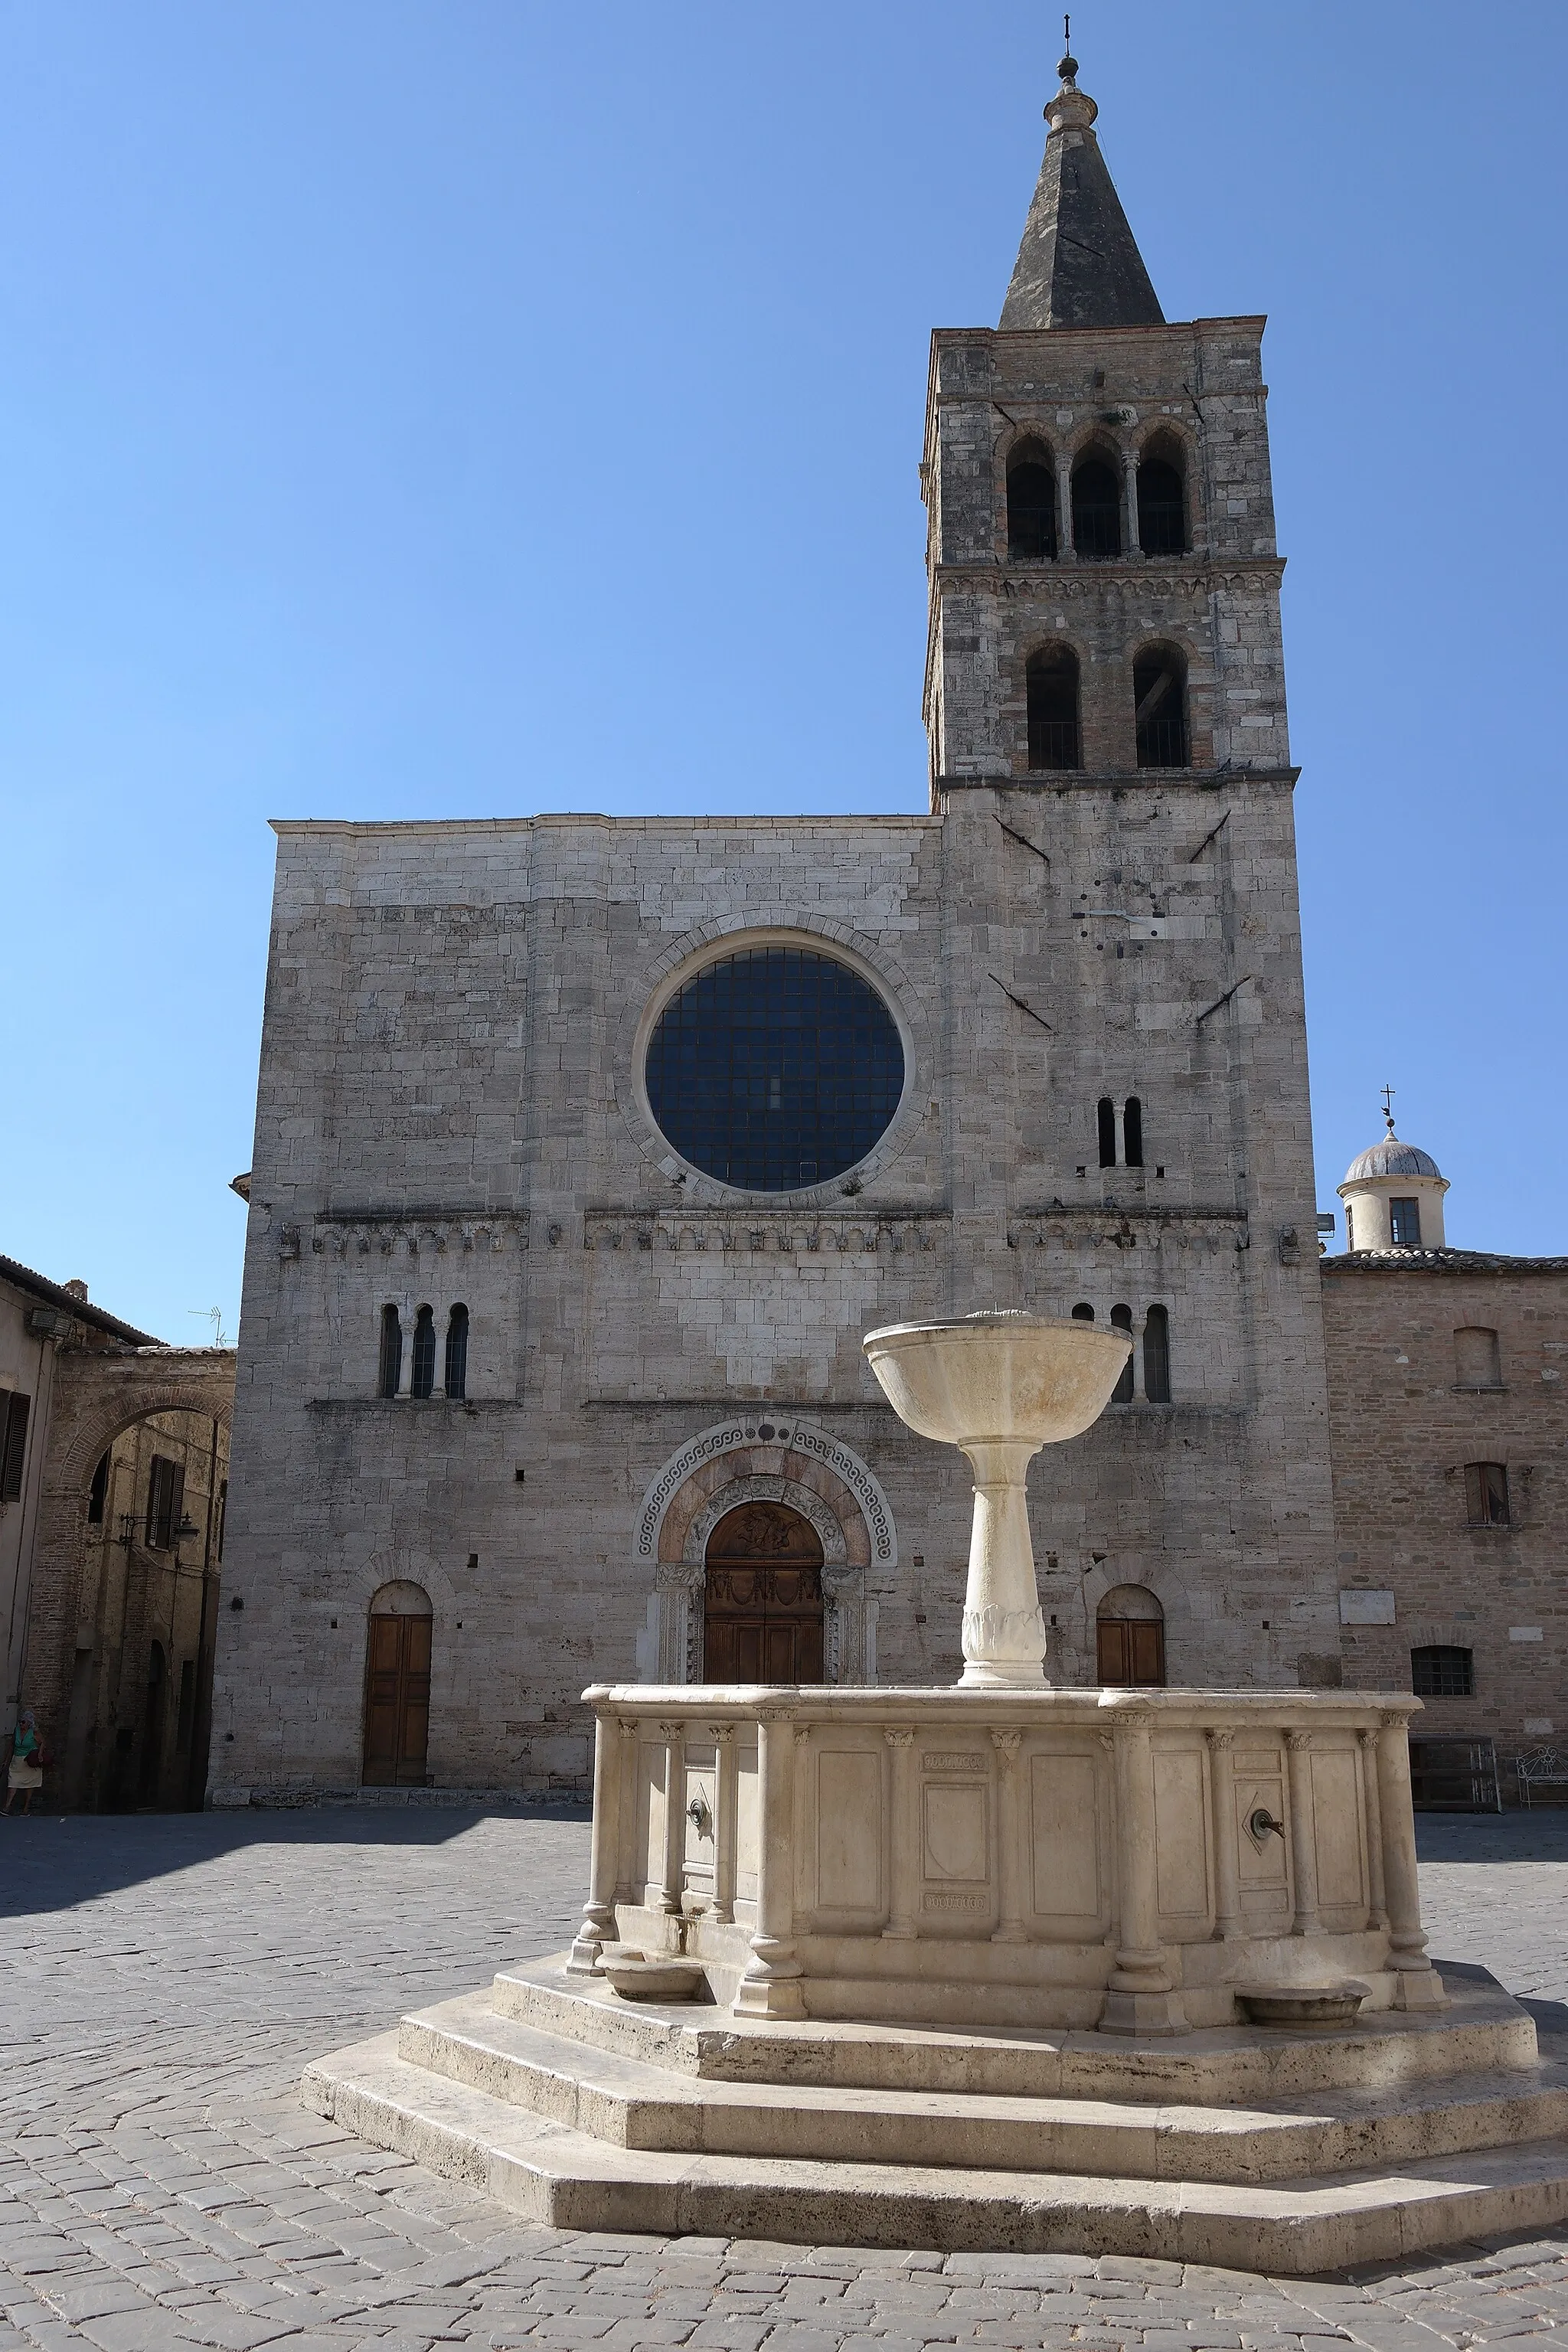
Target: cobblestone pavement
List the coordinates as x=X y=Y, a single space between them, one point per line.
x=164 y=1980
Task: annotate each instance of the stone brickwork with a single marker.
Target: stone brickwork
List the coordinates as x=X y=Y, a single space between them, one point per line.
x=451 y=1111
x=1411 y=1406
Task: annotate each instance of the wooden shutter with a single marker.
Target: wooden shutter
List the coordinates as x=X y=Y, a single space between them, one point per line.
x=12 y=1445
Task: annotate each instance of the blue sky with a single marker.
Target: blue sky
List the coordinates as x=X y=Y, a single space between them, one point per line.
x=443 y=407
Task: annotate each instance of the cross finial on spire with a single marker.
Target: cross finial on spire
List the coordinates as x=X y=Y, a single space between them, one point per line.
x=1067 y=64
x=1388 y=1107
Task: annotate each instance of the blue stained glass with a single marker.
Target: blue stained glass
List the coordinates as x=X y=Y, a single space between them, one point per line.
x=775 y=1068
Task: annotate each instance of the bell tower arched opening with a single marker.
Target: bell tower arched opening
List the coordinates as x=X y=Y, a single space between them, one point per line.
x=762 y=1614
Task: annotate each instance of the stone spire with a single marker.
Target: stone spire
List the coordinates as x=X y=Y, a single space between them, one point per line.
x=1079 y=265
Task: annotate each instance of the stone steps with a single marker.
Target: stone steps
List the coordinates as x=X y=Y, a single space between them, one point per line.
x=1481 y=2032
x=632 y=2103
x=555 y=2174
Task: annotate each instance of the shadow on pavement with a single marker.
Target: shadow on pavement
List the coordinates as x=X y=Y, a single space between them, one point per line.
x=1538 y=1835
x=51 y=1861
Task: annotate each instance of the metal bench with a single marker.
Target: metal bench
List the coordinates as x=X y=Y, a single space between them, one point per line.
x=1542 y=1767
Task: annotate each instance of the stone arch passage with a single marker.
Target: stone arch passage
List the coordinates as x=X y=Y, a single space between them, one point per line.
x=763 y=1599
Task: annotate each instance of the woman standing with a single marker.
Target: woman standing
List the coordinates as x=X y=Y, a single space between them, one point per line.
x=27 y=1767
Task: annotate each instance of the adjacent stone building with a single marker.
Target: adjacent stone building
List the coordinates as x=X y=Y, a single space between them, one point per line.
x=587 y=1148
x=113 y=1480
x=1450 y=1461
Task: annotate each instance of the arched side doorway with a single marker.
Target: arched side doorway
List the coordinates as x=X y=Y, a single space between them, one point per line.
x=1130 y=1637
x=762 y=1613
x=397 y=1688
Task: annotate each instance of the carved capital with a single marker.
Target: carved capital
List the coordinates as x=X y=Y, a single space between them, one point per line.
x=672 y=1734
x=1006 y=1744
x=1221 y=1736
x=722 y=1735
x=897 y=1739
x=1297 y=1742
x=678 y=1575
x=803 y=1732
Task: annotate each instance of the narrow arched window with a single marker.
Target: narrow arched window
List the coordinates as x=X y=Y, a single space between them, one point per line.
x=1096 y=510
x=1050 y=683
x=1132 y=1132
x=98 y=1493
x=390 y=1370
x=1083 y=1312
x=1160 y=705
x=1121 y=1320
x=1441 y=1670
x=1031 y=504
x=1105 y=1119
x=1161 y=507
x=457 y=1366
x=422 y=1369
x=1157 y=1355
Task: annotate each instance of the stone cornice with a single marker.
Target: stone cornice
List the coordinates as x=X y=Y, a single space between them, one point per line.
x=759 y=1231
x=1120 y=779
x=1208 y=1229
x=1065 y=579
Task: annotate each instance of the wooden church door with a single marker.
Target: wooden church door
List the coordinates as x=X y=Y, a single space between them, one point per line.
x=763 y=1615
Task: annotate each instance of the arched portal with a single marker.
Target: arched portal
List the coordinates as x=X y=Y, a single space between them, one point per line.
x=762 y=1615
x=397 y=1688
x=1130 y=1637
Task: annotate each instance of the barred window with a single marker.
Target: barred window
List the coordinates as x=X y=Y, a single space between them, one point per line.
x=775 y=1068
x=1441 y=1671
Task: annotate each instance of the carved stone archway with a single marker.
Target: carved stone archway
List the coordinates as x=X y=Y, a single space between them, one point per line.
x=755 y=1459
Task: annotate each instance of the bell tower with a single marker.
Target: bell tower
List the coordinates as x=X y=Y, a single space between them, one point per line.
x=1105 y=709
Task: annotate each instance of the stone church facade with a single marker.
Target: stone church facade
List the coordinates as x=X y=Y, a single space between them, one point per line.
x=549 y=1366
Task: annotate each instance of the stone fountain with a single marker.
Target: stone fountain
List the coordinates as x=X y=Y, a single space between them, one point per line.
x=918 y=1966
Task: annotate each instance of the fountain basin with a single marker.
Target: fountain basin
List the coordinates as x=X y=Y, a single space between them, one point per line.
x=1003 y=1377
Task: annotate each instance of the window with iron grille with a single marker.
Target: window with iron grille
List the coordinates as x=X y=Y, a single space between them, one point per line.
x=1441 y=1671
x=1160 y=705
x=775 y=1068
x=1486 y=1494
x=1050 y=688
x=166 y=1502
x=1097 y=510
x=1405 y=1223
x=1031 y=505
x=14 y=1410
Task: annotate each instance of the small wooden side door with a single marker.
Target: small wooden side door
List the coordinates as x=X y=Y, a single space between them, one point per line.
x=396 y=1703
x=1130 y=1650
